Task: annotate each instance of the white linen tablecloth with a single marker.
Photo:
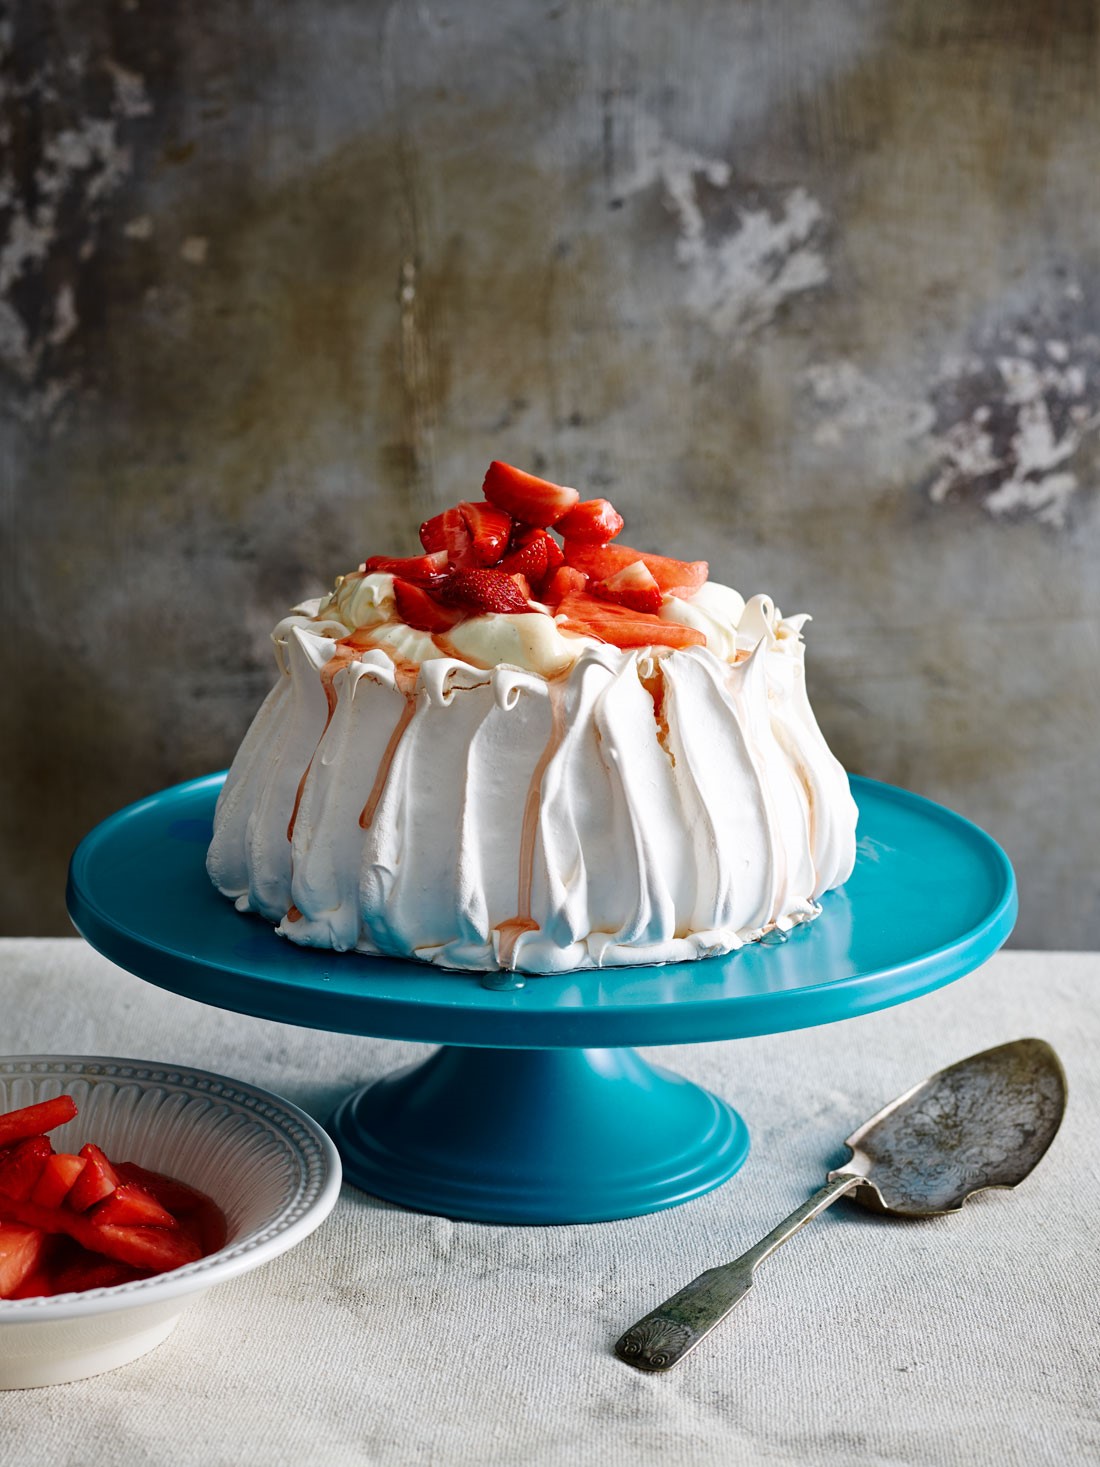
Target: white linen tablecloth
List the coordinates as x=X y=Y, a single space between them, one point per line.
x=389 y=1337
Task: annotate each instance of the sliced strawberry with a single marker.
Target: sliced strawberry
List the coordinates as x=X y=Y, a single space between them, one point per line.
x=58 y=1175
x=632 y=586
x=21 y=1247
x=153 y=1248
x=35 y=1120
x=601 y=562
x=593 y=522
x=22 y=1167
x=142 y=1247
x=198 y=1214
x=418 y=609
x=433 y=536
x=456 y=532
x=37 y=1284
x=97 y=1180
x=525 y=497
x=130 y=1203
x=49 y=1219
x=422 y=569
x=535 y=555
x=489 y=528
x=472 y=534
x=174 y=1195
x=484 y=590
x=523 y=585
x=621 y=626
x=564 y=580
x=201 y=1231
x=86 y=1270
x=555 y=555
x=531 y=561
x=206 y=1226
x=39 y=1280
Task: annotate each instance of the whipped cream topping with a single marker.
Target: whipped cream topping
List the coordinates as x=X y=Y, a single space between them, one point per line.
x=540 y=801
x=530 y=640
x=535 y=641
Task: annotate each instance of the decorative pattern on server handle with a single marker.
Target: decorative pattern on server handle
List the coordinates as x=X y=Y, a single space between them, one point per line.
x=654 y=1344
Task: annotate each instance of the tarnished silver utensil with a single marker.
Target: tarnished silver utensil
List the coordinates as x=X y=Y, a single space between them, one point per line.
x=984 y=1122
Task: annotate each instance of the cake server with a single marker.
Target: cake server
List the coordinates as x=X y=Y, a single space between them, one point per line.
x=983 y=1122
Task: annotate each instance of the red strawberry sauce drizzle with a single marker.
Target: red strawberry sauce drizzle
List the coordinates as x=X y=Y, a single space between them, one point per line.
x=366 y=819
x=347 y=650
x=513 y=929
x=340 y=658
x=500 y=552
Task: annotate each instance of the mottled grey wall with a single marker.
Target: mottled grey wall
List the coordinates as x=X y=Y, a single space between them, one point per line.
x=810 y=289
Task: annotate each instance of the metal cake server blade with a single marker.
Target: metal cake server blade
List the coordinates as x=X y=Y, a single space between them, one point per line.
x=983 y=1122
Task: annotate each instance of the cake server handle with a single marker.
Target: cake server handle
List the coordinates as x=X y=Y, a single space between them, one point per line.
x=666 y=1334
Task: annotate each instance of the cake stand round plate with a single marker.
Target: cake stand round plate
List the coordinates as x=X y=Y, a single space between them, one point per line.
x=533 y=1111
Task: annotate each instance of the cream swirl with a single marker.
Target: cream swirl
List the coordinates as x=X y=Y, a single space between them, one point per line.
x=535 y=641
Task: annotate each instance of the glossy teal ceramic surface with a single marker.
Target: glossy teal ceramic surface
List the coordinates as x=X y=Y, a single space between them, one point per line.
x=931 y=898
x=537 y=1136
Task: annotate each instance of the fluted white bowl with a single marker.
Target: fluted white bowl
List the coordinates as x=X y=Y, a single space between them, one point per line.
x=270 y=1168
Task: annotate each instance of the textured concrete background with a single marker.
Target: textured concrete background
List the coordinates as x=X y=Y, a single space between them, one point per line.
x=811 y=290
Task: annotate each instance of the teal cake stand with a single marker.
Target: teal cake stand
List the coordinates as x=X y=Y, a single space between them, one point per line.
x=537 y=1109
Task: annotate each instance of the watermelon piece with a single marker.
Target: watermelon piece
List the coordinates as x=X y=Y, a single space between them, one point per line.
x=58 y=1175
x=35 y=1120
x=21 y=1248
x=97 y=1180
x=600 y=562
x=22 y=1166
x=131 y=1203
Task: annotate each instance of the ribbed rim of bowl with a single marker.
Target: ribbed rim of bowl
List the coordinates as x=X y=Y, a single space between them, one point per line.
x=314 y=1199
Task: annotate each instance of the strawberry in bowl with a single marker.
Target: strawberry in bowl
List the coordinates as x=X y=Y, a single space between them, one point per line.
x=190 y=1178
x=75 y=1221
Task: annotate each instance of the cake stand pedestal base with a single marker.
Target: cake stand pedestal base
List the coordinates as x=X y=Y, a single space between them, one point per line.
x=537 y=1136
